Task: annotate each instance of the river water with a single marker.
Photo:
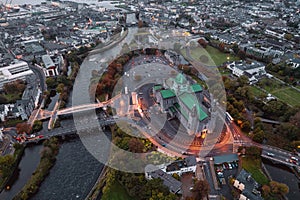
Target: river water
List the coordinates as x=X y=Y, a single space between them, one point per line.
x=27 y=166
x=73 y=174
x=284 y=175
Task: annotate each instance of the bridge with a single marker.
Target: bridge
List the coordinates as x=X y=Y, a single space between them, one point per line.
x=70 y=130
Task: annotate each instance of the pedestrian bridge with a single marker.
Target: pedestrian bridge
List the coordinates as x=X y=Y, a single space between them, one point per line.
x=45 y=114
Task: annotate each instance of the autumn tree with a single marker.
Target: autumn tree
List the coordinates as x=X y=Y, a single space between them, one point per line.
x=203 y=42
x=23 y=128
x=135 y=145
x=279 y=188
x=201 y=189
x=266 y=190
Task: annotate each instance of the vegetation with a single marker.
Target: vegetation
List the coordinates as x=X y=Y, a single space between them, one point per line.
x=9 y=163
x=200 y=189
x=12 y=91
x=283 y=92
x=252 y=164
x=48 y=157
x=117 y=192
x=37 y=126
x=135 y=185
x=214 y=55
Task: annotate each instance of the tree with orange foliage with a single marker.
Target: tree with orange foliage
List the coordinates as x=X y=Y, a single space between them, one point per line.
x=23 y=128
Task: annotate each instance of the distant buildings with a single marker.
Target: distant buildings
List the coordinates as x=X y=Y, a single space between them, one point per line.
x=14 y=71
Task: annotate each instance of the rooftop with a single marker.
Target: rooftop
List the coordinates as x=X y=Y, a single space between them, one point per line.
x=167 y=94
x=190 y=101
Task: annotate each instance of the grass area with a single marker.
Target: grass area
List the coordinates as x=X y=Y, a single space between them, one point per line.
x=215 y=57
x=12 y=98
x=256 y=92
x=253 y=166
x=118 y=192
x=281 y=91
x=288 y=95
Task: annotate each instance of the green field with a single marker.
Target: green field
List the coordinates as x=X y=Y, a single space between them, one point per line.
x=215 y=57
x=256 y=92
x=253 y=166
x=117 y=192
x=281 y=91
x=288 y=95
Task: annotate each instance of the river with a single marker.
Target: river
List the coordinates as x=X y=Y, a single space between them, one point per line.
x=27 y=166
x=282 y=174
x=73 y=174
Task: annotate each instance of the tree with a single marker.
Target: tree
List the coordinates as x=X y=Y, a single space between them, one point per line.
x=258 y=136
x=246 y=126
x=288 y=36
x=51 y=82
x=201 y=189
x=203 y=42
x=23 y=128
x=135 y=145
x=266 y=190
x=279 y=188
x=37 y=126
x=3 y=99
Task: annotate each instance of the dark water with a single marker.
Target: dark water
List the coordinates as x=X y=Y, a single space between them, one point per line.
x=282 y=174
x=73 y=175
x=27 y=166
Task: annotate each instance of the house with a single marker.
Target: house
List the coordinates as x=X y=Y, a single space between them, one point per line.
x=247 y=186
x=294 y=62
x=179 y=167
x=8 y=111
x=253 y=70
x=184 y=101
x=168 y=180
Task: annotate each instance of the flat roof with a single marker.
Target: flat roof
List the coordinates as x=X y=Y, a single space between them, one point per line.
x=225 y=158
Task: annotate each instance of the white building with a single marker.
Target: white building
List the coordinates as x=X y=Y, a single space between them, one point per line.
x=50 y=68
x=179 y=167
x=252 y=70
x=15 y=71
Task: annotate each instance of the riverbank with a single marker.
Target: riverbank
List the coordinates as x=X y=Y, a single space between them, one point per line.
x=19 y=151
x=48 y=158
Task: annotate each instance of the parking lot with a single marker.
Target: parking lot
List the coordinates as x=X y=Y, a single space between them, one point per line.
x=224 y=172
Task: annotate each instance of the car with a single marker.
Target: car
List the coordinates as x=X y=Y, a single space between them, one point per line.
x=224 y=167
x=294 y=158
x=270 y=154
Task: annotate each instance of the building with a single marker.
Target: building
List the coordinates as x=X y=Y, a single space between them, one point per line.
x=179 y=167
x=14 y=71
x=30 y=98
x=165 y=172
x=8 y=111
x=184 y=101
x=247 y=186
x=50 y=68
x=253 y=70
x=168 y=180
